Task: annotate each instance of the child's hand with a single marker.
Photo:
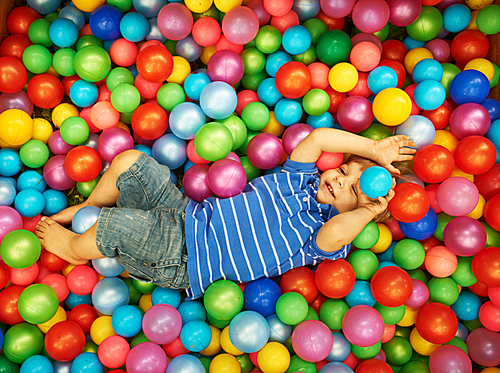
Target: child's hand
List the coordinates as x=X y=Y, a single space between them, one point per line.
x=376 y=206
x=393 y=149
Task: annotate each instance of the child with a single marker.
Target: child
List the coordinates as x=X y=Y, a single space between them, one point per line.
x=280 y=221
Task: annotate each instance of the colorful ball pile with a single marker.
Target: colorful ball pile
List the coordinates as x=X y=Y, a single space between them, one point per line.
x=222 y=92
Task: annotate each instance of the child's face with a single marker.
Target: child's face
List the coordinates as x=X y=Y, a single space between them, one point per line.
x=338 y=187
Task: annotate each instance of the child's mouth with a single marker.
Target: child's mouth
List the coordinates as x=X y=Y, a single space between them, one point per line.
x=330 y=189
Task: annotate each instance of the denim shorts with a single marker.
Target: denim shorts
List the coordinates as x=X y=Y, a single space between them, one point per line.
x=145 y=232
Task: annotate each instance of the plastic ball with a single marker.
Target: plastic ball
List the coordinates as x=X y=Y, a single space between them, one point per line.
x=429 y=94
x=175 y=21
x=456 y=18
x=22 y=341
x=29 y=202
x=105 y=22
x=195 y=183
x=109 y=294
x=483 y=347
x=391 y=286
x=457 y=196
x=20 y=249
x=375 y=181
x=108 y=267
x=38 y=303
x=404 y=13
x=427 y=26
x=155 y=63
x=261 y=296
x=92 y=63
x=433 y=163
x=113 y=141
x=146 y=356
x=475 y=155
x=225 y=66
x=469 y=86
x=447 y=358
x=196 y=335
x=436 y=323
x=363 y=326
x=64 y=341
x=391 y=106
x=265 y=151
x=223 y=299
x=185 y=364
x=293 y=79
x=13 y=75
x=134 y=26
x=226 y=178
x=249 y=331
x=240 y=25
x=218 y=100
x=410 y=203
x=469 y=119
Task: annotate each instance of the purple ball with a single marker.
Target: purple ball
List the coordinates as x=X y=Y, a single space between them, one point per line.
x=419 y=296
x=146 y=357
x=162 y=323
x=57 y=145
x=54 y=174
x=233 y=156
x=457 y=196
x=175 y=21
x=112 y=142
x=226 y=178
x=293 y=135
x=195 y=183
x=464 y=236
x=449 y=359
x=10 y=220
x=440 y=49
x=363 y=326
x=355 y=114
x=470 y=119
x=226 y=66
x=404 y=12
x=265 y=151
x=258 y=7
x=484 y=347
x=18 y=100
x=370 y=15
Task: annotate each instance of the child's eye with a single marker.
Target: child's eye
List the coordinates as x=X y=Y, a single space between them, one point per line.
x=354 y=190
x=342 y=171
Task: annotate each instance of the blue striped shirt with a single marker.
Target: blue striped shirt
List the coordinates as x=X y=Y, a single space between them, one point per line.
x=264 y=231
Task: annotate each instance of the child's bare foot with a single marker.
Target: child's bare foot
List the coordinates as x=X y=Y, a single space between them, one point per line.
x=56 y=239
x=65 y=217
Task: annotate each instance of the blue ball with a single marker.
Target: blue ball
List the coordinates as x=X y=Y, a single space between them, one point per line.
x=109 y=294
x=380 y=78
x=29 y=202
x=427 y=69
x=144 y=148
x=375 y=182
x=196 y=335
x=105 y=22
x=63 y=32
x=288 y=111
x=185 y=364
x=31 y=179
x=387 y=264
x=296 y=40
x=187 y=165
x=341 y=348
x=411 y=43
x=62 y=367
x=387 y=255
x=456 y=18
x=168 y=296
x=170 y=150
x=361 y=294
x=493 y=107
x=275 y=60
x=306 y=9
x=268 y=93
x=218 y=100
x=194 y=84
x=109 y=267
x=9 y=180
x=279 y=331
x=249 y=331
x=55 y=201
x=336 y=367
x=87 y=362
x=73 y=300
x=185 y=120
x=149 y=8
x=261 y=296
x=44 y=6
x=83 y=93
x=429 y=94
x=134 y=27
x=420 y=229
x=106 y=44
x=469 y=86
x=467 y=306
x=73 y=14
x=154 y=31
x=36 y=364
x=127 y=321
x=419 y=129
x=85 y=218
x=192 y=310
x=10 y=162
x=462 y=332
x=320 y=121
x=493 y=135
x=188 y=49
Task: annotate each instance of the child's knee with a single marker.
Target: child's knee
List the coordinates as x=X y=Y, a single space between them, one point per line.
x=125 y=160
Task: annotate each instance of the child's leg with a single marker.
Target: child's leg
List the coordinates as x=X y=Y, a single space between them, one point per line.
x=74 y=248
x=105 y=193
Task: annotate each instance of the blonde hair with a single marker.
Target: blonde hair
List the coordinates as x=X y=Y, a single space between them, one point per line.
x=403 y=167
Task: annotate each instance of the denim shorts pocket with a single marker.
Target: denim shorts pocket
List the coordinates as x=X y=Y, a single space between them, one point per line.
x=135 y=225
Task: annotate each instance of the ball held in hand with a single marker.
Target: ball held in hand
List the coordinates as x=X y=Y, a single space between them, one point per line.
x=375 y=181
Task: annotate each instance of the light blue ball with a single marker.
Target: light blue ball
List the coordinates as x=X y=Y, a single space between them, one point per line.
x=196 y=335
x=87 y=362
x=170 y=150
x=380 y=78
x=375 y=182
x=218 y=100
x=63 y=32
x=55 y=201
x=192 y=310
x=154 y=31
x=296 y=40
x=185 y=120
x=429 y=94
x=194 y=84
x=127 y=321
x=493 y=135
x=144 y=148
x=427 y=69
x=419 y=129
x=279 y=331
x=306 y=9
x=188 y=49
x=336 y=367
x=168 y=296
x=268 y=93
x=288 y=111
x=275 y=60
x=44 y=6
x=340 y=349
x=149 y=8
x=31 y=179
x=467 y=306
x=411 y=43
x=85 y=218
x=73 y=14
x=387 y=255
x=83 y=93
x=249 y=331
x=73 y=300
x=134 y=27
x=324 y=120
x=456 y=18
x=10 y=162
x=185 y=364
x=361 y=294
x=29 y=202
x=7 y=193
x=109 y=294
x=109 y=267
x=36 y=364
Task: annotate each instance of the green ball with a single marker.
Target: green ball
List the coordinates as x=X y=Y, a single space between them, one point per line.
x=22 y=341
x=85 y=188
x=418 y=274
x=92 y=63
x=368 y=237
x=86 y=40
x=237 y=128
x=364 y=263
x=64 y=61
x=38 y=32
x=376 y=131
x=254 y=61
x=221 y=324
x=256 y=116
x=135 y=295
x=170 y=45
x=126 y=117
x=427 y=26
x=125 y=98
x=496 y=75
x=7 y=366
x=38 y=303
x=252 y=81
x=449 y=72
x=90 y=346
x=366 y=352
x=383 y=33
x=312 y=314
x=316 y=102
x=492 y=236
x=20 y=249
x=51 y=17
x=463 y=275
x=488 y=19
x=170 y=95
x=333 y=46
x=398 y=350
x=246 y=364
x=299 y=365
x=391 y=315
x=251 y=171
x=117 y=76
x=206 y=362
x=456 y=341
x=268 y=39
x=316 y=28
x=122 y=5
x=415 y=366
x=308 y=57
x=213 y=141
x=34 y=153
x=37 y=59
x=211 y=12
x=138 y=338
x=332 y=312
x=443 y=290
x=409 y=254
x=291 y=308
x=250 y=135
x=143 y=287
x=223 y=299
x=443 y=220
x=402 y=332
x=74 y=130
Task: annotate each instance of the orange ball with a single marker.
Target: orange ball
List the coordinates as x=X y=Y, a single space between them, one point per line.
x=440 y=261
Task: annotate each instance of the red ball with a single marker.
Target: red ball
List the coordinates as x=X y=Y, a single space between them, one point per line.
x=58 y=283
x=206 y=31
x=331 y=23
x=149 y=121
x=373 y=366
x=13 y=75
x=113 y=351
x=391 y=286
x=82 y=279
x=299 y=280
x=433 y=163
x=468 y=45
x=486 y=266
x=492 y=212
x=84 y=315
x=245 y=97
x=45 y=91
x=51 y=261
x=68 y=82
x=82 y=164
x=123 y=52
x=475 y=155
x=327 y=161
x=488 y=183
x=410 y=203
x=155 y=63
x=439 y=117
x=336 y=99
x=14 y=46
x=489 y=315
x=335 y=278
x=394 y=50
x=436 y=323
x=293 y=79
x=4 y=275
x=175 y=348
x=64 y=341
x=361 y=88
x=9 y=298
x=282 y=23
x=20 y=19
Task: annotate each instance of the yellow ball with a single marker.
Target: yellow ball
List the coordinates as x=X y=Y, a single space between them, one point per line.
x=62 y=112
x=478 y=4
x=409 y=317
x=181 y=70
x=145 y=302
x=274 y=358
x=224 y=363
x=66 y=270
x=101 y=329
x=3 y=144
x=491 y=370
x=198 y=6
x=226 y=343
x=473 y=21
x=482 y=65
x=343 y=77
x=478 y=210
x=214 y=346
x=447 y=139
x=88 y=5
x=384 y=240
x=16 y=127
x=42 y=129
x=226 y=5
x=273 y=126
x=414 y=56
x=206 y=53
x=59 y=316
x=123 y=126
x=392 y=106
x=457 y=172
x=420 y=345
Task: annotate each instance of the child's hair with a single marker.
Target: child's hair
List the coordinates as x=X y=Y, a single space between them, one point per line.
x=403 y=167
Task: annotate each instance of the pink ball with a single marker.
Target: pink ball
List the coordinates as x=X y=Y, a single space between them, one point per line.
x=226 y=178
x=470 y=119
x=312 y=340
x=440 y=261
x=113 y=351
x=57 y=145
x=419 y=296
x=265 y=151
x=146 y=357
x=464 y=236
x=258 y=7
x=112 y=142
x=10 y=220
x=226 y=66
x=484 y=347
x=175 y=21
x=337 y=9
x=195 y=183
x=233 y=156
x=162 y=323
x=440 y=49
x=457 y=196
x=54 y=174
x=103 y=115
x=355 y=114
x=363 y=326
x=489 y=315
x=365 y=56
x=240 y=25
x=449 y=358
x=293 y=135
x=370 y=15
x=404 y=12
